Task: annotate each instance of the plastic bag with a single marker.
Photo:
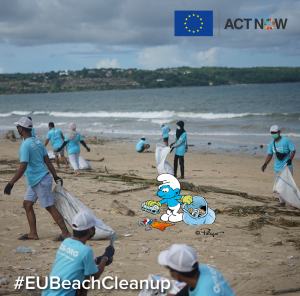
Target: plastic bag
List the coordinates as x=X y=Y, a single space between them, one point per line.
x=161 y=153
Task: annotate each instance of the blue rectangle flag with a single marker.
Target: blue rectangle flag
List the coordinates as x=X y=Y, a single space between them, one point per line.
x=193 y=23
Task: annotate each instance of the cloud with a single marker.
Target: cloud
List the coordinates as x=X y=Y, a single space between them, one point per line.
x=106 y=63
x=1 y=70
x=209 y=57
x=162 y=57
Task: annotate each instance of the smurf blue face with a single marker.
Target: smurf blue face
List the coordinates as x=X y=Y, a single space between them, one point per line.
x=167 y=192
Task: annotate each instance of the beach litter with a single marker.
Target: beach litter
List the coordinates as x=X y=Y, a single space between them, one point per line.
x=148 y=228
x=290 y=257
x=23 y=249
x=127 y=235
x=144 y=249
x=161 y=225
x=145 y=222
x=3 y=281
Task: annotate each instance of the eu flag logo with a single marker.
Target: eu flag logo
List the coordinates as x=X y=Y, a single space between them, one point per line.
x=193 y=23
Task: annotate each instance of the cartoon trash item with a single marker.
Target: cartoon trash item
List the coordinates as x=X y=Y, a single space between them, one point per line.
x=148 y=228
x=199 y=202
x=145 y=222
x=152 y=210
x=161 y=225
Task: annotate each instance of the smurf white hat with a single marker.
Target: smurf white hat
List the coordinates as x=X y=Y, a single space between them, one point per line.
x=168 y=179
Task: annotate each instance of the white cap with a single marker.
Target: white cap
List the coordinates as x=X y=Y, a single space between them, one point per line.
x=180 y=257
x=84 y=221
x=168 y=179
x=24 y=122
x=143 y=137
x=274 y=128
x=162 y=125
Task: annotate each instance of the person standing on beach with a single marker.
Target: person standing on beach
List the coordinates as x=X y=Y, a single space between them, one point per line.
x=72 y=137
x=142 y=145
x=165 y=133
x=57 y=139
x=284 y=151
x=180 y=148
x=33 y=157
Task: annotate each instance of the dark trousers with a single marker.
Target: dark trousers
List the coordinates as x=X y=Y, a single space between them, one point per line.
x=181 y=162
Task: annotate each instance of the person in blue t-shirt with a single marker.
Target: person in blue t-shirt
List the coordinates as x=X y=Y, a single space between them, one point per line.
x=180 y=148
x=182 y=262
x=142 y=145
x=57 y=139
x=72 y=137
x=75 y=261
x=284 y=151
x=165 y=133
x=33 y=157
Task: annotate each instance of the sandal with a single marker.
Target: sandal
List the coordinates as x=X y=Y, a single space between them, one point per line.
x=58 y=239
x=25 y=236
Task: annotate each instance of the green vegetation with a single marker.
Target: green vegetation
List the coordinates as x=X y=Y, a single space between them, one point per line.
x=109 y=79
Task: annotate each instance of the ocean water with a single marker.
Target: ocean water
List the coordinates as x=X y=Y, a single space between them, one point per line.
x=234 y=119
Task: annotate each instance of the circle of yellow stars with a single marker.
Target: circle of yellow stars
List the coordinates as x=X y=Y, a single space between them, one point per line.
x=194 y=31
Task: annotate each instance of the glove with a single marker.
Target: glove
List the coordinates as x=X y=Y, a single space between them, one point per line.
x=289 y=162
x=188 y=199
x=171 y=149
x=151 y=203
x=108 y=262
x=171 y=145
x=56 y=179
x=8 y=189
x=88 y=149
x=264 y=167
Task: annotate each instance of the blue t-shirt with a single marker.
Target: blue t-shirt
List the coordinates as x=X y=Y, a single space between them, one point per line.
x=73 y=145
x=165 y=130
x=211 y=283
x=181 y=149
x=285 y=145
x=54 y=135
x=33 y=151
x=140 y=144
x=74 y=260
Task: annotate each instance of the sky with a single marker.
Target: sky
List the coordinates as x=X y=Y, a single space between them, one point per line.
x=43 y=35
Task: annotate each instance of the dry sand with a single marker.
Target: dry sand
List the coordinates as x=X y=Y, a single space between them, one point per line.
x=248 y=259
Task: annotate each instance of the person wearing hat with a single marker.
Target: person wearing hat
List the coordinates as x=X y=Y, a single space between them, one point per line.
x=57 y=139
x=182 y=262
x=72 y=137
x=75 y=260
x=33 y=157
x=165 y=133
x=284 y=151
x=142 y=145
x=180 y=148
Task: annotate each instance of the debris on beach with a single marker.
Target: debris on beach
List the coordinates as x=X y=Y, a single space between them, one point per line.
x=122 y=209
x=10 y=135
x=161 y=225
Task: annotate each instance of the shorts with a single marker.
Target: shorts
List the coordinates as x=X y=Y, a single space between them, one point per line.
x=166 y=139
x=42 y=191
x=61 y=153
x=142 y=150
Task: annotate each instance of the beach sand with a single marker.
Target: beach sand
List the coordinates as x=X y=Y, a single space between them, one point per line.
x=249 y=260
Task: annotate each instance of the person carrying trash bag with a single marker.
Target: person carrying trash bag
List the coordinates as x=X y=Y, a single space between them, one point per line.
x=33 y=157
x=72 y=137
x=180 y=148
x=182 y=262
x=284 y=151
x=75 y=261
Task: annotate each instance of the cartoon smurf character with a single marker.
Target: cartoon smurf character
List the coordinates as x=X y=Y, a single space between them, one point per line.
x=169 y=192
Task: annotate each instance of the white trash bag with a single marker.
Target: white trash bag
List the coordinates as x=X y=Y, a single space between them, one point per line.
x=161 y=153
x=84 y=164
x=68 y=205
x=51 y=154
x=286 y=187
x=158 y=284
